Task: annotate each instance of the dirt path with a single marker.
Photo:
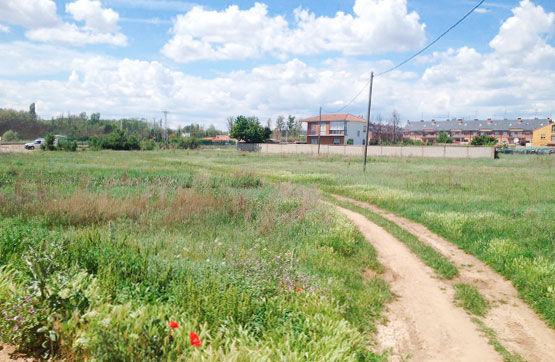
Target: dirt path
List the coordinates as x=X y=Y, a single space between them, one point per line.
x=423 y=321
x=518 y=327
x=7 y=354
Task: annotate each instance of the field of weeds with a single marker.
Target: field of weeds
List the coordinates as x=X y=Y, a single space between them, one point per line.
x=502 y=211
x=166 y=256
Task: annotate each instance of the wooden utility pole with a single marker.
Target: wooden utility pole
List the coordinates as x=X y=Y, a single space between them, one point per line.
x=319 y=130
x=368 y=121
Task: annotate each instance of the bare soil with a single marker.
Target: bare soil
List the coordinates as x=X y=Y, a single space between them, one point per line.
x=7 y=353
x=518 y=327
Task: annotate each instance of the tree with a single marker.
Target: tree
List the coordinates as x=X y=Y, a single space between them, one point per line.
x=484 y=140
x=248 y=130
x=10 y=136
x=269 y=123
x=395 y=119
x=444 y=138
x=280 y=124
x=83 y=116
x=95 y=118
x=230 y=123
x=32 y=110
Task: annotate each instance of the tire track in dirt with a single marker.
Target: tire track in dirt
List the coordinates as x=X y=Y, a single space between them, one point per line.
x=423 y=321
x=518 y=327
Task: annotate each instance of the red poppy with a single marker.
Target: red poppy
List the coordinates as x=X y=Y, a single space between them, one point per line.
x=299 y=290
x=195 y=341
x=174 y=324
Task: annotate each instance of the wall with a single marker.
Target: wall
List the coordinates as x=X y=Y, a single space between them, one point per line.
x=546 y=131
x=356 y=132
x=374 y=151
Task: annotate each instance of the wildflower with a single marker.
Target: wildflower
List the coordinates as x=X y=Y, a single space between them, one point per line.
x=32 y=311
x=299 y=290
x=174 y=324
x=4 y=312
x=27 y=299
x=195 y=340
x=16 y=328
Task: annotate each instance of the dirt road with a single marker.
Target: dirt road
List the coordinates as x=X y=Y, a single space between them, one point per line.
x=518 y=327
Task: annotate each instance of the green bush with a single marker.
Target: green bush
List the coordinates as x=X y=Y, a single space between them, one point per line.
x=10 y=136
x=188 y=143
x=444 y=138
x=148 y=145
x=117 y=140
x=70 y=146
x=483 y=140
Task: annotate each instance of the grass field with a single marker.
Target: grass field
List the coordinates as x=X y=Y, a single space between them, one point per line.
x=110 y=247
x=101 y=251
x=502 y=211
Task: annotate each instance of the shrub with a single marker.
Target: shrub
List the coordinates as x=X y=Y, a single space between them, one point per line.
x=117 y=140
x=483 y=140
x=188 y=143
x=249 y=130
x=444 y=138
x=70 y=146
x=148 y=145
x=49 y=140
x=10 y=136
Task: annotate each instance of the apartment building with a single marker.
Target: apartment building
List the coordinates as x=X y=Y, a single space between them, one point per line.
x=336 y=129
x=509 y=132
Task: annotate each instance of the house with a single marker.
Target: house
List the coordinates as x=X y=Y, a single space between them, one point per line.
x=220 y=140
x=544 y=136
x=508 y=132
x=336 y=129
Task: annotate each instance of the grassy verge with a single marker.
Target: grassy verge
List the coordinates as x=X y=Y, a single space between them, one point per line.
x=431 y=257
x=492 y=337
x=100 y=252
x=470 y=299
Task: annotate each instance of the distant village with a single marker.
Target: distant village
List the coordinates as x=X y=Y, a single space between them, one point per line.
x=347 y=129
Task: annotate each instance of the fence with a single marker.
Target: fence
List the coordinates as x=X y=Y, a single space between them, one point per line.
x=373 y=151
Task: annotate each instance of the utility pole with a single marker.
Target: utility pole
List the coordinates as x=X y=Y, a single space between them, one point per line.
x=166 y=126
x=319 y=130
x=368 y=121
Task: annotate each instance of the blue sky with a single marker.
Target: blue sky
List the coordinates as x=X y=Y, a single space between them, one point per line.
x=206 y=61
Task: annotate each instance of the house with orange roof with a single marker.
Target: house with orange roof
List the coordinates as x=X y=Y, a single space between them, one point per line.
x=336 y=129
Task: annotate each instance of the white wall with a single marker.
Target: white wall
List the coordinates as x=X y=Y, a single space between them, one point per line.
x=356 y=132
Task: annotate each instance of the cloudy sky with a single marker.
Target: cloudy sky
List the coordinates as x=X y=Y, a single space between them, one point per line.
x=204 y=61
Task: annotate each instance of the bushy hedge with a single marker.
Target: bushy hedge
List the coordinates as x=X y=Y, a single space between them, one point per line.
x=117 y=140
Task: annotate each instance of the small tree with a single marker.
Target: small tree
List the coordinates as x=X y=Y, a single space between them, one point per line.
x=484 y=140
x=49 y=140
x=10 y=136
x=280 y=125
x=249 y=130
x=444 y=138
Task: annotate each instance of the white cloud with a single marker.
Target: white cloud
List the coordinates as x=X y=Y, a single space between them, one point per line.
x=523 y=37
x=29 y=13
x=71 y=34
x=482 y=10
x=376 y=26
x=4 y=29
x=43 y=23
x=96 y=18
x=457 y=81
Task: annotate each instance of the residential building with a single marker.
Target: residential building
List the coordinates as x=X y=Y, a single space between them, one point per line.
x=544 y=136
x=508 y=132
x=336 y=129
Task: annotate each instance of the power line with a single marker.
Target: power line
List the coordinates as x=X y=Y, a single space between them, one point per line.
x=411 y=57
x=433 y=42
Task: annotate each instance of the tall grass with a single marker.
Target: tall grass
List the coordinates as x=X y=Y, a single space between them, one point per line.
x=96 y=261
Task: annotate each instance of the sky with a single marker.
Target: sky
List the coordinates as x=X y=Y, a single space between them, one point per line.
x=208 y=60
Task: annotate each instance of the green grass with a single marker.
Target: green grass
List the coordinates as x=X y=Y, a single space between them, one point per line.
x=492 y=337
x=99 y=251
x=431 y=257
x=502 y=211
x=470 y=299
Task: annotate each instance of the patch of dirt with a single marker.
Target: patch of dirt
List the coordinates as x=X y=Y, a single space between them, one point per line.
x=424 y=324
x=7 y=353
x=518 y=327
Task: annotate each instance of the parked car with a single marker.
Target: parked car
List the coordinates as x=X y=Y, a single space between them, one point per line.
x=35 y=144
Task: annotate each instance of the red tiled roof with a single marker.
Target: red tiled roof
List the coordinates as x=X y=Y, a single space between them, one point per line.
x=336 y=117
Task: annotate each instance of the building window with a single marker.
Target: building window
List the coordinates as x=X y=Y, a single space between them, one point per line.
x=543 y=137
x=553 y=129
x=358 y=133
x=314 y=141
x=322 y=129
x=336 y=140
x=552 y=138
x=337 y=127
